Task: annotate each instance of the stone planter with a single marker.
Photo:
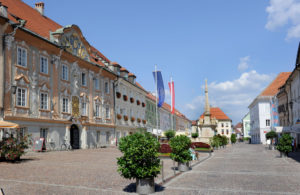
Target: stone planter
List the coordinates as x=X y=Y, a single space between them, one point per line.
x=182 y=167
x=283 y=155
x=145 y=186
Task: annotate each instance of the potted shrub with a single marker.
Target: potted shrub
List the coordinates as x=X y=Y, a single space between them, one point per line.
x=271 y=135
x=140 y=160
x=125 y=117
x=118 y=94
x=224 y=140
x=233 y=138
x=195 y=135
x=12 y=148
x=170 y=134
x=285 y=144
x=180 y=151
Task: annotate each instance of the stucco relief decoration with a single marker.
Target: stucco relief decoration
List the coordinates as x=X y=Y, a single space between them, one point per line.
x=75 y=46
x=75 y=106
x=75 y=78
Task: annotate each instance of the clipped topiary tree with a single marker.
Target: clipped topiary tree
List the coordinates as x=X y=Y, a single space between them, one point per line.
x=233 y=138
x=180 y=146
x=195 y=135
x=140 y=160
x=285 y=144
x=224 y=140
x=170 y=133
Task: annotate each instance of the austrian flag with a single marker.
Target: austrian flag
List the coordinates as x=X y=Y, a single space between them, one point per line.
x=172 y=92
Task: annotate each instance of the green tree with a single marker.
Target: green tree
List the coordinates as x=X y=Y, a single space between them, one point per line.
x=271 y=135
x=195 y=135
x=224 y=140
x=233 y=138
x=285 y=143
x=140 y=156
x=170 y=133
x=180 y=149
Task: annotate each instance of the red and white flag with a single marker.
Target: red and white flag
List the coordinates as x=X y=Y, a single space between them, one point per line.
x=172 y=92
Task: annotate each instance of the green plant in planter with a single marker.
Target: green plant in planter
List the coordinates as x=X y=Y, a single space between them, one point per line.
x=233 y=138
x=140 y=156
x=215 y=141
x=271 y=135
x=180 y=149
x=285 y=143
x=195 y=135
x=170 y=134
x=224 y=140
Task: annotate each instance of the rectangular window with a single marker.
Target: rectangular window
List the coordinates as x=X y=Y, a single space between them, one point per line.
x=268 y=122
x=21 y=97
x=107 y=112
x=44 y=65
x=222 y=124
x=44 y=101
x=97 y=110
x=83 y=79
x=22 y=57
x=65 y=106
x=65 y=72
x=106 y=87
x=83 y=109
x=96 y=83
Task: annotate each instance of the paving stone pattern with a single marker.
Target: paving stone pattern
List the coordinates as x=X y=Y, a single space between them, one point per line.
x=237 y=169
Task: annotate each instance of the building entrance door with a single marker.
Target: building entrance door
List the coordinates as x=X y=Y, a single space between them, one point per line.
x=74 y=134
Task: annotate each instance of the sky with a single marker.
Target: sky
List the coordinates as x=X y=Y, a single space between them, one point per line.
x=238 y=46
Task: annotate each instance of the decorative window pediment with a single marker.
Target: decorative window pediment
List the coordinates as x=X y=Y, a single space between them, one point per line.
x=22 y=78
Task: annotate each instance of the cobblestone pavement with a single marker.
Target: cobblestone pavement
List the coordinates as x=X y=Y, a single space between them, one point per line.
x=92 y=171
x=240 y=169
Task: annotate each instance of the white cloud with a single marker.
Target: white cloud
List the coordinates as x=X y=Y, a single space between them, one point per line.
x=243 y=65
x=284 y=12
x=233 y=97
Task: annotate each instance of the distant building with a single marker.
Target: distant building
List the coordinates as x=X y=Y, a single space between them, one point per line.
x=261 y=110
x=238 y=130
x=246 y=125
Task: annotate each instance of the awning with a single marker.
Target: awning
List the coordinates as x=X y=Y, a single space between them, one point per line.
x=10 y=125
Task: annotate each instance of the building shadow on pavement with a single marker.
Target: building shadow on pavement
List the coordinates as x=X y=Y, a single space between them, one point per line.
x=131 y=188
x=22 y=160
x=295 y=156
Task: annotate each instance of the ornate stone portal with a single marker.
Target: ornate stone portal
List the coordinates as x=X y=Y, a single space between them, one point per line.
x=206 y=124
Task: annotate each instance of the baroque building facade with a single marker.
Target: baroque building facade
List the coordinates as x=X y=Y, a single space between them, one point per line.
x=56 y=84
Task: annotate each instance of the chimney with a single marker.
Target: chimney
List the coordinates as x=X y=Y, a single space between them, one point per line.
x=40 y=7
x=3 y=10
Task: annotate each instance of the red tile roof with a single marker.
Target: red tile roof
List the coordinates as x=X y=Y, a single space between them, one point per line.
x=36 y=22
x=239 y=125
x=124 y=69
x=217 y=113
x=273 y=87
x=131 y=74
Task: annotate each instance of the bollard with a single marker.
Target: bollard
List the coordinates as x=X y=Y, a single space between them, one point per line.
x=174 y=167
x=162 y=171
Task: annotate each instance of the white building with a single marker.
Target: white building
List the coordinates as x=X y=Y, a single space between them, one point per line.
x=260 y=110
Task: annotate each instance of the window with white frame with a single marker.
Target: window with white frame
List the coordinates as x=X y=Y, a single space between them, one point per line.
x=65 y=105
x=44 y=65
x=107 y=112
x=268 y=122
x=83 y=109
x=106 y=87
x=83 y=79
x=22 y=57
x=96 y=83
x=44 y=101
x=65 y=72
x=97 y=110
x=21 y=96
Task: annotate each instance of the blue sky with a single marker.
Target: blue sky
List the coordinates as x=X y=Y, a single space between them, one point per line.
x=239 y=46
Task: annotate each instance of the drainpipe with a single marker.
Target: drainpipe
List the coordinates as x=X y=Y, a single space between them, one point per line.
x=115 y=113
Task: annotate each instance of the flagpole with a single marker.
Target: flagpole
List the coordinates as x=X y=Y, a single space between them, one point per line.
x=156 y=94
x=172 y=115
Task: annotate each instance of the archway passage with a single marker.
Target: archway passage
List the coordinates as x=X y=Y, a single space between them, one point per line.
x=74 y=134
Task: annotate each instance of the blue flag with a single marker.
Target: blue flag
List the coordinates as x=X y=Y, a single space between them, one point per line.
x=160 y=87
